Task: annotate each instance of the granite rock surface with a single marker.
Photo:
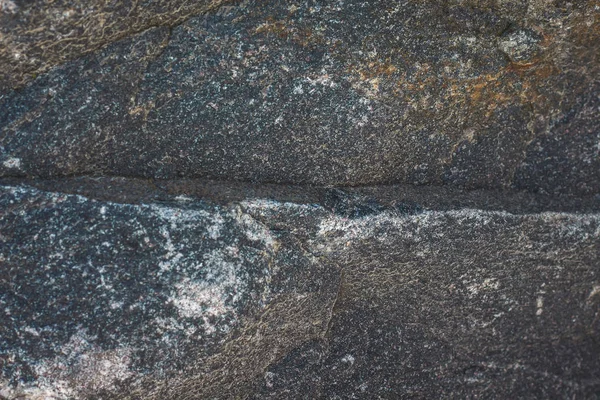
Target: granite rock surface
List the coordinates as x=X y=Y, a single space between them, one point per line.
x=299 y=199
x=36 y=35
x=349 y=297
x=499 y=95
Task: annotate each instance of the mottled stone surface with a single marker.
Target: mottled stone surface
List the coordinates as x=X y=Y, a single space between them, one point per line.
x=299 y=199
x=474 y=94
x=94 y=292
x=36 y=35
x=258 y=298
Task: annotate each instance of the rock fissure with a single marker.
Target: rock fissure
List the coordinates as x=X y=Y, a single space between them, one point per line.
x=299 y=199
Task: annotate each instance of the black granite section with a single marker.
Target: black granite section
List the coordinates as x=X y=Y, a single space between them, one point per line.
x=258 y=298
x=568 y=154
x=310 y=92
x=473 y=305
x=37 y=35
x=311 y=199
x=151 y=285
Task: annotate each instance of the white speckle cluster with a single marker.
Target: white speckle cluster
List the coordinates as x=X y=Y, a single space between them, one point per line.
x=201 y=267
x=348 y=358
x=12 y=163
x=215 y=295
x=8 y=6
x=518 y=45
x=488 y=284
x=197 y=299
x=540 y=305
x=255 y=231
x=368 y=227
x=81 y=368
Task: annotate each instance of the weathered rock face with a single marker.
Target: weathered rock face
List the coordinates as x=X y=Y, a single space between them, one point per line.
x=299 y=199
x=268 y=299
x=497 y=95
x=97 y=295
x=37 y=35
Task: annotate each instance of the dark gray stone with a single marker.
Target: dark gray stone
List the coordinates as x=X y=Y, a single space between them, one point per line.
x=353 y=93
x=299 y=199
x=36 y=35
x=259 y=298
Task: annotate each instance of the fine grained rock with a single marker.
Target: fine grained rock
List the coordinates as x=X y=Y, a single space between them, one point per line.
x=299 y=199
x=36 y=35
x=477 y=94
x=258 y=298
x=94 y=292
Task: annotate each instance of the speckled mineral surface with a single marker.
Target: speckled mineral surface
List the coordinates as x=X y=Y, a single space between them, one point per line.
x=503 y=95
x=316 y=294
x=300 y=199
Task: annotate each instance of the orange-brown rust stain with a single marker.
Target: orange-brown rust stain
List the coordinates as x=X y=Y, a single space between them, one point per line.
x=520 y=66
x=522 y=83
x=286 y=30
x=278 y=28
x=517 y=82
x=488 y=91
x=373 y=70
x=379 y=68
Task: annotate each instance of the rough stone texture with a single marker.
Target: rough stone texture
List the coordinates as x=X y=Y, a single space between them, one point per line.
x=94 y=292
x=299 y=199
x=268 y=299
x=36 y=35
x=474 y=94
